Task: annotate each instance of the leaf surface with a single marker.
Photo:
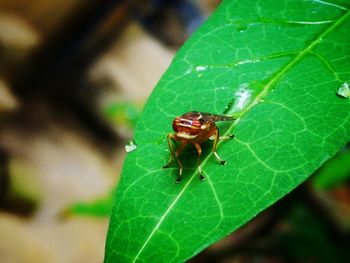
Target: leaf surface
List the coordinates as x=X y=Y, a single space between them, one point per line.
x=276 y=66
x=334 y=172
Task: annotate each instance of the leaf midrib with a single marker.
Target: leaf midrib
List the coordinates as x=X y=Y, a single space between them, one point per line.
x=264 y=92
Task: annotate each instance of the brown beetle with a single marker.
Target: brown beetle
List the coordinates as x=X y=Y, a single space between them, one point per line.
x=195 y=127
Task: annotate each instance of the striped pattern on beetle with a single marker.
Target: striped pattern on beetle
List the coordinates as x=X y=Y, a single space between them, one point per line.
x=194 y=128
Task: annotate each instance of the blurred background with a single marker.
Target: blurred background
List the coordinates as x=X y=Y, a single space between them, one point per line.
x=74 y=76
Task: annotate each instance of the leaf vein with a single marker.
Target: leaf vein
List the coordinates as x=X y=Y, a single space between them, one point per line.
x=331 y=4
x=162 y=218
x=216 y=198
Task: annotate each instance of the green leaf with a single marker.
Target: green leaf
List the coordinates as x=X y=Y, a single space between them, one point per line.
x=101 y=207
x=276 y=66
x=334 y=172
x=123 y=113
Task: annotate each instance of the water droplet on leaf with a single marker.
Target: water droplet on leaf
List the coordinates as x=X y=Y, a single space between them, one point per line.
x=344 y=90
x=130 y=146
x=247 y=61
x=241 y=27
x=240 y=99
x=201 y=68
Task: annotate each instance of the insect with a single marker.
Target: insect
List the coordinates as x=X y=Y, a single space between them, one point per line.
x=194 y=128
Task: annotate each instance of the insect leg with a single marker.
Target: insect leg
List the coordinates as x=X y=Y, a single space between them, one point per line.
x=177 y=153
x=170 y=137
x=231 y=136
x=199 y=151
x=216 y=139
